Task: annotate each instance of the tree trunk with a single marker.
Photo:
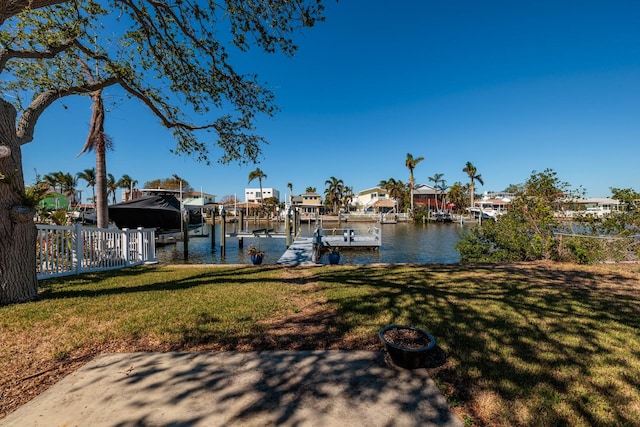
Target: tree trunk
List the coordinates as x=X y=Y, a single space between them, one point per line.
x=411 y=190
x=472 y=195
x=102 y=209
x=18 y=278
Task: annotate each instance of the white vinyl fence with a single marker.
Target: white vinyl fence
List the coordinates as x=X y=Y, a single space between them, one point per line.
x=67 y=250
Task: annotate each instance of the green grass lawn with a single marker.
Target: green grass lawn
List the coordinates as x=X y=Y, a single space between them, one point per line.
x=526 y=344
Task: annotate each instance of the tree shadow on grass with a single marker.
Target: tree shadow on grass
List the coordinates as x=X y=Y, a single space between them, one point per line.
x=101 y=284
x=531 y=334
x=535 y=336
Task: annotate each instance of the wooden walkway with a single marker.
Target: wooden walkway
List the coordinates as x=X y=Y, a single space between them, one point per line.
x=300 y=252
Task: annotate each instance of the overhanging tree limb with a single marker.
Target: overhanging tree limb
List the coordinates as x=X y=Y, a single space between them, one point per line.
x=146 y=100
x=9 y=8
x=8 y=54
x=26 y=123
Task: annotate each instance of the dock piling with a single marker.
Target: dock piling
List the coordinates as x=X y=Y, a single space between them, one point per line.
x=213 y=230
x=287 y=228
x=223 y=231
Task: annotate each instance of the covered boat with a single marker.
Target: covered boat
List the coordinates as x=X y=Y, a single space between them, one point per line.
x=161 y=212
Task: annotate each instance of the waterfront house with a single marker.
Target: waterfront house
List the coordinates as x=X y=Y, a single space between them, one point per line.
x=309 y=205
x=491 y=205
x=198 y=200
x=374 y=200
x=595 y=206
x=428 y=196
x=253 y=195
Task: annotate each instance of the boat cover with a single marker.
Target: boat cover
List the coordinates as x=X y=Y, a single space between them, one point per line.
x=159 y=211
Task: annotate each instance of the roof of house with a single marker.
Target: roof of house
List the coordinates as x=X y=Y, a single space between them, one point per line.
x=372 y=190
x=424 y=189
x=597 y=200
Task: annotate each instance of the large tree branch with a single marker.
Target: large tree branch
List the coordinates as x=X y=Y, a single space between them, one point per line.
x=145 y=99
x=51 y=52
x=166 y=121
x=28 y=119
x=9 y=8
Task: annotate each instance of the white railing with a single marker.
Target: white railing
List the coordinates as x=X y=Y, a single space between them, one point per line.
x=355 y=237
x=67 y=250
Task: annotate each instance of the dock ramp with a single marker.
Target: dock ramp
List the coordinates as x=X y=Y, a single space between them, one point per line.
x=300 y=252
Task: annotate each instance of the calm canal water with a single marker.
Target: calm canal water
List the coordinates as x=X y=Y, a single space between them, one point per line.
x=403 y=242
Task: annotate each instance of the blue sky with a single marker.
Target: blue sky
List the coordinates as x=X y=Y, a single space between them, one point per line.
x=512 y=87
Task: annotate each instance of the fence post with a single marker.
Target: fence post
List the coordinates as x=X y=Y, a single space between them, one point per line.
x=125 y=244
x=78 y=247
x=151 y=238
x=140 y=245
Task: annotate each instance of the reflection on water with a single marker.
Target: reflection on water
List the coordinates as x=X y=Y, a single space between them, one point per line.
x=415 y=243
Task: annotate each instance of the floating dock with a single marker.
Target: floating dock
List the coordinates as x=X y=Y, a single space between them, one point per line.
x=351 y=238
x=308 y=250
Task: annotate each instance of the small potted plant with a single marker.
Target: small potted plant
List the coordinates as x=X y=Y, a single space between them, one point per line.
x=256 y=255
x=334 y=256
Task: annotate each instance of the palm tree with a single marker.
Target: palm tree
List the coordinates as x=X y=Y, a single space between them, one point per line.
x=436 y=179
x=98 y=141
x=112 y=187
x=399 y=192
x=260 y=175
x=457 y=195
x=443 y=187
x=54 y=181
x=127 y=183
x=347 y=197
x=471 y=171
x=387 y=184
x=333 y=192
x=68 y=186
x=395 y=190
x=89 y=175
x=310 y=190
x=411 y=164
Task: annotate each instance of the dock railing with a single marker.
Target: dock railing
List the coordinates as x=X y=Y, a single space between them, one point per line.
x=69 y=250
x=355 y=237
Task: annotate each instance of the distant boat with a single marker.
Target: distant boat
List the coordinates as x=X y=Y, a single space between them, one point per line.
x=84 y=214
x=161 y=212
x=441 y=216
x=490 y=208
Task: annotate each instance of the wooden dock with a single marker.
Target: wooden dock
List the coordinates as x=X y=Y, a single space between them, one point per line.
x=308 y=250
